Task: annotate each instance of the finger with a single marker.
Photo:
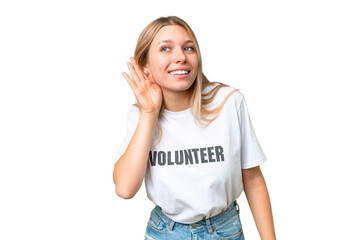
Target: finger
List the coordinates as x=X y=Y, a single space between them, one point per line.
x=137 y=69
x=147 y=82
x=131 y=83
x=151 y=78
x=139 y=72
x=134 y=74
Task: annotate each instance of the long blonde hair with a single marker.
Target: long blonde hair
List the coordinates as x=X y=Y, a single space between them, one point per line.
x=198 y=99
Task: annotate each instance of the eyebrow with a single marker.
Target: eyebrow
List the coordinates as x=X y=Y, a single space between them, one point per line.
x=169 y=41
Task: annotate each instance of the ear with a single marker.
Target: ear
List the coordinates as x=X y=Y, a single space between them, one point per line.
x=146 y=70
x=147 y=73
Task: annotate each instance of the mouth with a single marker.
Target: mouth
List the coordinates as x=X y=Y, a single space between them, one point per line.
x=179 y=72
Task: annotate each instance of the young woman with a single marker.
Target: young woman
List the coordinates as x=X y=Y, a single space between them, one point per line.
x=191 y=139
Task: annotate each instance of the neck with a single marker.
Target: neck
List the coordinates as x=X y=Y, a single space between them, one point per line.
x=176 y=101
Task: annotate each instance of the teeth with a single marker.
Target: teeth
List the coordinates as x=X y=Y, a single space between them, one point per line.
x=179 y=72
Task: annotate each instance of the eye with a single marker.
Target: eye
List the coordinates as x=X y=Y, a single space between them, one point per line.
x=164 y=49
x=189 y=49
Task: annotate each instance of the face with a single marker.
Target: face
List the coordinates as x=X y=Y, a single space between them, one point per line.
x=172 y=59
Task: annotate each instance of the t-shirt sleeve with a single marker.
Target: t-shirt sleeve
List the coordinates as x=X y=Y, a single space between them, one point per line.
x=251 y=153
x=132 y=122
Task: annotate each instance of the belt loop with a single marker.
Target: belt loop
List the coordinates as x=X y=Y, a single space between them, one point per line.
x=171 y=225
x=209 y=227
x=237 y=206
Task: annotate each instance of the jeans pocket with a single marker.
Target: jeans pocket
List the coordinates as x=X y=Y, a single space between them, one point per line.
x=230 y=229
x=155 y=223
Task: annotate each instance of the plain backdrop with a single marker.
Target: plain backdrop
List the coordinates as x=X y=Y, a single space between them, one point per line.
x=64 y=103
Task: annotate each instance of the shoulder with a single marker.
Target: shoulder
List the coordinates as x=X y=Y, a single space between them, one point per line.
x=232 y=94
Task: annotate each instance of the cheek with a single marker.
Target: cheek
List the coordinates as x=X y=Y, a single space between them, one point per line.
x=162 y=63
x=195 y=65
x=159 y=67
x=194 y=61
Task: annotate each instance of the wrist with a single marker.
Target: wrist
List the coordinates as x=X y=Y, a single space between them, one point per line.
x=153 y=116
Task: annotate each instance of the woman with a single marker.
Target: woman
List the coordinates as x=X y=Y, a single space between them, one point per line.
x=191 y=139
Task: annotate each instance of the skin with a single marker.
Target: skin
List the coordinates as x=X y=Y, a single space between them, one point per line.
x=146 y=90
x=259 y=201
x=172 y=48
x=154 y=86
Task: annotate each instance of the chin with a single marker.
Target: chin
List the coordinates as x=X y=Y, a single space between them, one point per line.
x=182 y=87
x=177 y=88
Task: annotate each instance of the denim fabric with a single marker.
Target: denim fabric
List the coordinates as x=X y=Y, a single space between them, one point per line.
x=225 y=225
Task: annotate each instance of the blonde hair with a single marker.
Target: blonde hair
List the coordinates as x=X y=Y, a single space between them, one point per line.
x=198 y=99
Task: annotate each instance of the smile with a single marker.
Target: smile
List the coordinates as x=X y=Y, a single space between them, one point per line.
x=179 y=72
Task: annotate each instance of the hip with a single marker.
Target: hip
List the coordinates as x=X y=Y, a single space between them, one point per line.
x=226 y=225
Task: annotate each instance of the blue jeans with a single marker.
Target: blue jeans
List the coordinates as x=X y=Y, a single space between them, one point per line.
x=225 y=225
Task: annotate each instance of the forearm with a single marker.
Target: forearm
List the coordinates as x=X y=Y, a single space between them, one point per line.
x=130 y=169
x=259 y=201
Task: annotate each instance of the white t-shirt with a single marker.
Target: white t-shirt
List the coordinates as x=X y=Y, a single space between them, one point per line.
x=195 y=172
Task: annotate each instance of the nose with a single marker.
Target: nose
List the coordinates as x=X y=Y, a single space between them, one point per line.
x=179 y=55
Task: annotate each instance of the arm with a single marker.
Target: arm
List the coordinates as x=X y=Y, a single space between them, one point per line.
x=130 y=169
x=259 y=202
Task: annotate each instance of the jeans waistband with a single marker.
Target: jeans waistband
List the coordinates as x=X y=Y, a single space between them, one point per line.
x=217 y=219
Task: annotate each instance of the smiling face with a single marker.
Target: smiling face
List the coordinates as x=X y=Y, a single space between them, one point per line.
x=172 y=59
